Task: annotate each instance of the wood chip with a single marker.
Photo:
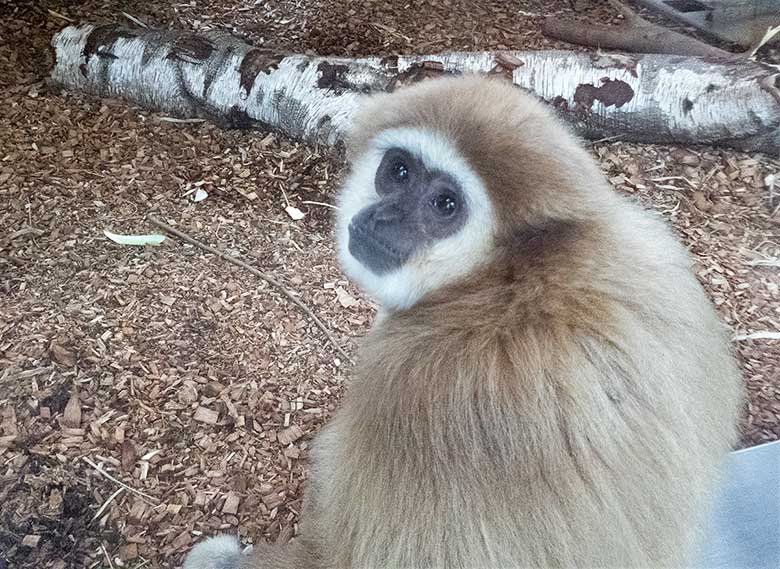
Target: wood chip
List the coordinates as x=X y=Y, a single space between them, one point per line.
x=272 y=501
x=71 y=417
x=61 y=355
x=31 y=540
x=128 y=455
x=509 y=61
x=231 y=504
x=182 y=540
x=128 y=552
x=206 y=415
x=345 y=299
x=289 y=435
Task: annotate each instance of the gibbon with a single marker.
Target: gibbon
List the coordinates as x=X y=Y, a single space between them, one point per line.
x=547 y=384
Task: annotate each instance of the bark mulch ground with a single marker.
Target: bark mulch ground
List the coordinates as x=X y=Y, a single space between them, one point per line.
x=151 y=395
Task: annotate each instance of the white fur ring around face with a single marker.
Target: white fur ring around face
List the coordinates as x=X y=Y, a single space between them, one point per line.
x=219 y=552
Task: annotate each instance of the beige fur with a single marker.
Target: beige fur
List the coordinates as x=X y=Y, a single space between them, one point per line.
x=566 y=404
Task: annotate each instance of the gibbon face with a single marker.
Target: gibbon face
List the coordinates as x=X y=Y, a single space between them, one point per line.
x=417 y=210
x=413 y=215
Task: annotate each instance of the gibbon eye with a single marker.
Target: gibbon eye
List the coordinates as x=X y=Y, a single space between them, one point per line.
x=445 y=204
x=400 y=172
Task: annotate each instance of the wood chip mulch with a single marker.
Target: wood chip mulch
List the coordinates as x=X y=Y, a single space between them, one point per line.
x=152 y=395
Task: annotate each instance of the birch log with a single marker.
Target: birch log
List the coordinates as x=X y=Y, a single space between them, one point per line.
x=641 y=98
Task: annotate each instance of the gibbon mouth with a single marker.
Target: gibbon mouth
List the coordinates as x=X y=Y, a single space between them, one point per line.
x=373 y=252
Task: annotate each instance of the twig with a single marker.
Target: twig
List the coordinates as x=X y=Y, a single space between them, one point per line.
x=605 y=139
x=108 y=557
x=763 y=335
x=99 y=470
x=769 y=262
x=269 y=279
x=320 y=203
x=634 y=34
x=181 y=121
x=134 y=19
x=106 y=503
x=768 y=35
x=60 y=16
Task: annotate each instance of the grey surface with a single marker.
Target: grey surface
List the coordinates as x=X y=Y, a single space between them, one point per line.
x=744 y=532
x=740 y=21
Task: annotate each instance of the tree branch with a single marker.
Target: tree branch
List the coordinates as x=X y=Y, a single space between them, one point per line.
x=643 y=98
x=635 y=34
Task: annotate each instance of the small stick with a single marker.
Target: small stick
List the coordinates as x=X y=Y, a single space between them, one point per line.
x=182 y=121
x=763 y=335
x=152 y=499
x=108 y=557
x=269 y=279
x=106 y=503
x=320 y=203
x=60 y=16
x=134 y=19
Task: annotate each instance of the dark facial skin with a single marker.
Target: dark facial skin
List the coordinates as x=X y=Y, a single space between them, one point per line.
x=417 y=207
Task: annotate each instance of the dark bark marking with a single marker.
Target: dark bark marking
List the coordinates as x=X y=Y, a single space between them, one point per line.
x=191 y=48
x=332 y=77
x=560 y=103
x=215 y=67
x=324 y=128
x=687 y=105
x=100 y=41
x=292 y=114
x=611 y=92
x=148 y=53
x=336 y=77
x=256 y=61
x=711 y=87
x=102 y=38
x=390 y=63
x=421 y=71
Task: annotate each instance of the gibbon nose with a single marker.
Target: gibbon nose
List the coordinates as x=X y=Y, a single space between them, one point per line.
x=387 y=213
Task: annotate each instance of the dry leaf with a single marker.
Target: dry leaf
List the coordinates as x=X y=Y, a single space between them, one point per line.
x=294 y=213
x=139 y=240
x=71 y=417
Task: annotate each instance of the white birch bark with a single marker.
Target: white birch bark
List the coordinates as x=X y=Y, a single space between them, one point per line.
x=642 y=98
